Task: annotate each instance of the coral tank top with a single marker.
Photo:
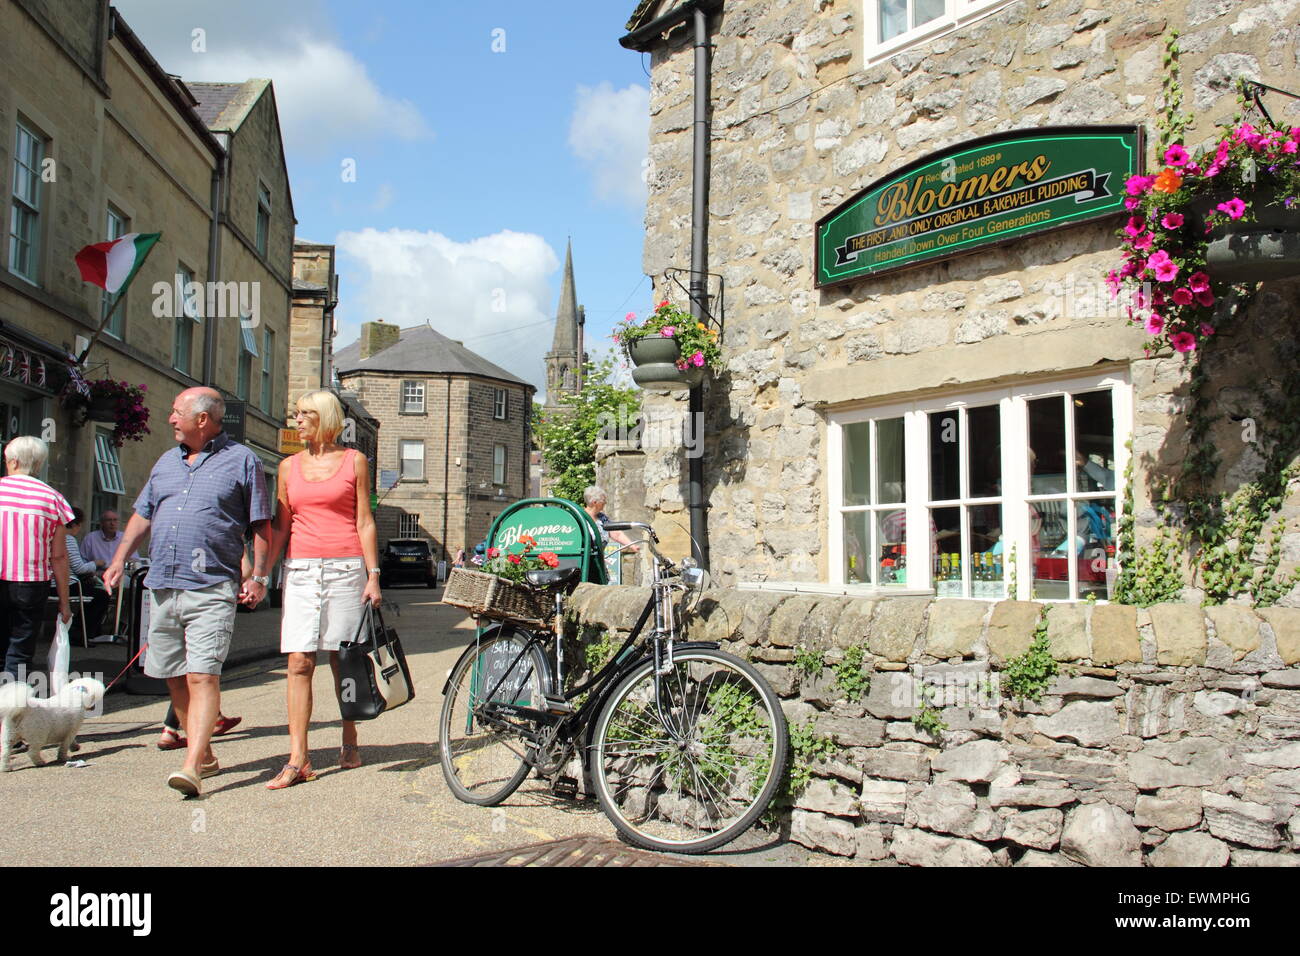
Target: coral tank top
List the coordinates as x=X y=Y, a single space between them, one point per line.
x=324 y=513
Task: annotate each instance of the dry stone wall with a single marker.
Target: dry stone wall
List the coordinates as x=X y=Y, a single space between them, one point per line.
x=1170 y=736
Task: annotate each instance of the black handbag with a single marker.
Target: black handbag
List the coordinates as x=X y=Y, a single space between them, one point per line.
x=373 y=675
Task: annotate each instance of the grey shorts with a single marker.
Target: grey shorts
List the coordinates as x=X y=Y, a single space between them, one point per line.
x=189 y=631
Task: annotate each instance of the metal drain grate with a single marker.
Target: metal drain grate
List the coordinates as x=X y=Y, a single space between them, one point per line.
x=575 y=851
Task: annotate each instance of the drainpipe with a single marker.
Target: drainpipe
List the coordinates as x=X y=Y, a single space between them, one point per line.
x=643 y=39
x=446 y=468
x=699 y=281
x=219 y=175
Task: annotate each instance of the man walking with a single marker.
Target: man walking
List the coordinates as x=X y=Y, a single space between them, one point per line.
x=197 y=503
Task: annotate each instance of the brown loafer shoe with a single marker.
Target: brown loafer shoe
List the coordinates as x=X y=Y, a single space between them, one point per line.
x=209 y=769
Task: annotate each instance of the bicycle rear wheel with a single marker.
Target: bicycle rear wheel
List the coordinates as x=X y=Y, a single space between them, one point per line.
x=484 y=763
x=704 y=780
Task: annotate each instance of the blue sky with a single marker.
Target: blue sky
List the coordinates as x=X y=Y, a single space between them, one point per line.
x=482 y=135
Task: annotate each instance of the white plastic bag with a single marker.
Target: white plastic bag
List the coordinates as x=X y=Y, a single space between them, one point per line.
x=60 y=654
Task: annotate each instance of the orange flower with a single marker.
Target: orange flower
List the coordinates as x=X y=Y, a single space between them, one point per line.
x=700 y=326
x=1168 y=181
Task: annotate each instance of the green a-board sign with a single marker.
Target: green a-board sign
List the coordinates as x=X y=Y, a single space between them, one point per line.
x=986 y=191
x=553 y=528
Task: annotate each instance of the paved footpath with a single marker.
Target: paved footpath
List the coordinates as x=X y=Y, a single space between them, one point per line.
x=395 y=809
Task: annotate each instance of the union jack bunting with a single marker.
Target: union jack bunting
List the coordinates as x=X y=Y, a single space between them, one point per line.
x=7 y=363
x=38 y=372
x=24 y=367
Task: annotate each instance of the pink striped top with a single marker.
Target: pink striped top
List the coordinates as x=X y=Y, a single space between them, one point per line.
x=31 y=512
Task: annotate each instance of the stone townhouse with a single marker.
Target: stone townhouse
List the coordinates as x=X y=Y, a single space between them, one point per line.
x=453 y=427
x=311 y=352
x=97 y=141
x=915 y=456
x=973 y=412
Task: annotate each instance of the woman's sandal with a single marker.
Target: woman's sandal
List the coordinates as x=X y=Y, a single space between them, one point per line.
x=349 y=763
x=295 y=775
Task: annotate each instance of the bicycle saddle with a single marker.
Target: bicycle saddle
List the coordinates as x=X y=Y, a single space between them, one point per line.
x=552 y=577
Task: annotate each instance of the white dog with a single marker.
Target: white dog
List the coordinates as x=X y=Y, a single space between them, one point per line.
x=44 y=722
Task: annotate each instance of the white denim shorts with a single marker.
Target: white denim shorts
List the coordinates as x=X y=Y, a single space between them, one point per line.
x=322 y=603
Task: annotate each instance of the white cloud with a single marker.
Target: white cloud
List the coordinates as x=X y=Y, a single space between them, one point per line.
x=610 y=133
x=325 y=95
x=492 y=293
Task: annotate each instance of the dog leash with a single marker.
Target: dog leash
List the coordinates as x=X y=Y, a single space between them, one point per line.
x=126 y=668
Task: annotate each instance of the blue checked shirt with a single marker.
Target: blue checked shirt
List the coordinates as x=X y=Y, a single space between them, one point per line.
x=199 y=513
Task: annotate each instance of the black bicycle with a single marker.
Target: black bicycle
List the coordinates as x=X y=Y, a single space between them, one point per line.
x=686 y=744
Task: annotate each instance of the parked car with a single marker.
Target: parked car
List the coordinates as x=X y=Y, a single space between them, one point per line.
x=407 y=561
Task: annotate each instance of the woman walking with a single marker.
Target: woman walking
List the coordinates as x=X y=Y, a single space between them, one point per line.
x=32 y=550
x=331 y=568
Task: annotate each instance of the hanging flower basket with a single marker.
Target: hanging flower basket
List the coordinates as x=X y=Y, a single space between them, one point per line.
x=670 y=349
x=1266 y=246
x=657 y=365
x=112 y=402
x=1206 y=221
x=102 y=408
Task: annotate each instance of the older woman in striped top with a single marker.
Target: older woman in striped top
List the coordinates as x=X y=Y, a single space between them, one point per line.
x=331 y=566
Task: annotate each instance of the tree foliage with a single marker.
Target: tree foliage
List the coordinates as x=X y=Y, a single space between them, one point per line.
x=568 y=436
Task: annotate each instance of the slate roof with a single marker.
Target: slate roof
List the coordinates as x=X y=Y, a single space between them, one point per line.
x=224 y=105
x=423 y=351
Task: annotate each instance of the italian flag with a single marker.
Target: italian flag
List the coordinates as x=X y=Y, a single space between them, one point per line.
x=111 y=265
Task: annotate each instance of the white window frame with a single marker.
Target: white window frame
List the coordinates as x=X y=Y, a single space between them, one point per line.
x=410 y=389
x=500 y=404
x=408 y=525
x=108 y=467
x=190 y=316
x=247 y=352
x=499 y=453
x=262 y=236
x=957 y=13
x=268 y=369
x=1014 y=427
x=402 y=459
x=116 y=225
x=26 y=206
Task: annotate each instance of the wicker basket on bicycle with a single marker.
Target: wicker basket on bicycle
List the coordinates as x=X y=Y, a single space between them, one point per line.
x=487 y=595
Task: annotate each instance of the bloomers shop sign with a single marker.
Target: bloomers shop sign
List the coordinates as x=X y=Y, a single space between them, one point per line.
x=976 y=194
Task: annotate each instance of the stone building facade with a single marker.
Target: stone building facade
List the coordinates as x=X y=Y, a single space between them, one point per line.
x=120 y=146
x=823 y=430
x=454 y=427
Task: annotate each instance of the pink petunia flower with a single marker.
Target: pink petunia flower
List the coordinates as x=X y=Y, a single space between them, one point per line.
x=1154 y=324
x=1132 y=203
x=1172 y=220
x=1135 y=226
x=1175 y=155
x=629 y=317
x=1198 y=281
x=668 y=331
x=1234 y=207
x=1207 y=329
x=1183 y=341
x=1205 y=298
x=1289 y=146
x=697 y=359
x=1144 y=241
x=1182 y=296
x=1138 y=185
x=1165 y=269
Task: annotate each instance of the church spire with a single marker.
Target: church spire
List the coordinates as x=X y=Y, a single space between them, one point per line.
x=566 y=314
x=564 y=360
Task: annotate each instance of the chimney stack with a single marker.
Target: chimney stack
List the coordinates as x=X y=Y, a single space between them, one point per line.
x=377 y=336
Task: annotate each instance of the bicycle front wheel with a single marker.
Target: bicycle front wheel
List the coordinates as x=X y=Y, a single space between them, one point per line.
x=694 y=767
x=483 y=761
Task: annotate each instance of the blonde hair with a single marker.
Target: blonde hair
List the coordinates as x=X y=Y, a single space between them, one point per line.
x=329 y=412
